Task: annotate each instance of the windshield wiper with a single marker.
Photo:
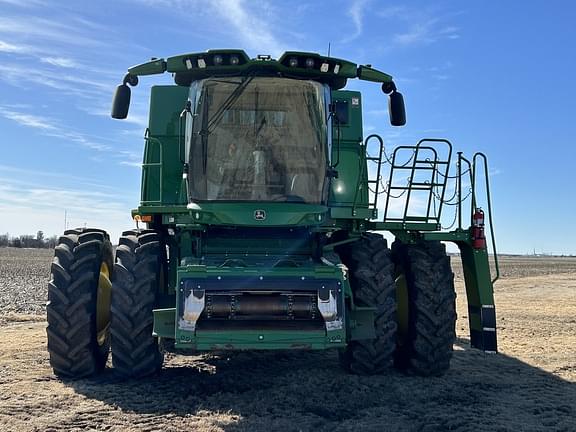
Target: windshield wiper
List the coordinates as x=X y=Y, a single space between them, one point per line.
x=210 y=124
x=217 y=116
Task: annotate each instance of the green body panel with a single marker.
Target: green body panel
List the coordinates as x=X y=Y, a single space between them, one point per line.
x=480 y=295
x=162 y=166
x=277 y=214
x=152 y=67
x=164 y=322
x=368 y=73
x=349 y=188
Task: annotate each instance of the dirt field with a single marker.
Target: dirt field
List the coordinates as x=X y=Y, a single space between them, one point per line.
x=529 y=386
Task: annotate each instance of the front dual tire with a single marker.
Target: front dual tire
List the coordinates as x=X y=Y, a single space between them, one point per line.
x=411 y=288
x=137 y=273
x=78 y=305
x=95 y=304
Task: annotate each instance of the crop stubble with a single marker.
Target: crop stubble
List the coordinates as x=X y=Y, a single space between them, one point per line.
x=530 y=385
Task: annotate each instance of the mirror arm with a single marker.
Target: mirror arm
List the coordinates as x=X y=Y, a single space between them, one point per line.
x=130 y=79
x=389 y=87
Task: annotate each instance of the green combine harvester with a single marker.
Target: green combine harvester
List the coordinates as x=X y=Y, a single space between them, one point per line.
x=257 y=228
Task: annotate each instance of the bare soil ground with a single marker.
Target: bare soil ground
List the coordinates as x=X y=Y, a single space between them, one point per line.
x=529 y=386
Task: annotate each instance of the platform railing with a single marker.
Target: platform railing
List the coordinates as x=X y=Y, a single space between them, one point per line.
x=427 y=172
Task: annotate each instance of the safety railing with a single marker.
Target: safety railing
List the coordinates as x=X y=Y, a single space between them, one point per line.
x=373 y=182
x=473 y=169
x=147 y=166
x=417 y=182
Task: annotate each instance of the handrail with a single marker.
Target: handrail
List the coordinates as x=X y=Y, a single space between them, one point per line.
x=482 y=156
x=461 y=159
x=365 y=171
x=147 y=165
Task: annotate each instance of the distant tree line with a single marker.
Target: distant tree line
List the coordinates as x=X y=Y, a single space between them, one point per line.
x=28 y=241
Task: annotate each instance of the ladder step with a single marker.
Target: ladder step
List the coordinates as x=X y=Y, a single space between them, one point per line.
x=437 y=162
x=417 y=218
x=410 y=167
x=429 y=189
x=427 y=184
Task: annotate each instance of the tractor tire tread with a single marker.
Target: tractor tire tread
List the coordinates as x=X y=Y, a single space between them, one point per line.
x=71 y=307
x=432 y=305
x=371 y=273
x=135 y=351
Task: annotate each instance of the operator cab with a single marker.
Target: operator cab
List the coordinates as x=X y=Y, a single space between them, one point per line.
x=257 y=139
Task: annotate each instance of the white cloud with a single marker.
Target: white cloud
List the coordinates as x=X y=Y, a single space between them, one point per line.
x=50 y=127
x=424 y=26
x=50 y=176
x=417 y=33
x=137 y=115
x=13 y=48
x=356 y=12
x=425 y=33
x=250 y=22
x=22 y=3
x=29 y=120
x=133 y=164
x=59 y=61
x=18 y=76
x=43 y=31
x=252 y=30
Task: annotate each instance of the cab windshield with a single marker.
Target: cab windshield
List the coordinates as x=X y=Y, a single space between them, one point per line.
x=257 y=139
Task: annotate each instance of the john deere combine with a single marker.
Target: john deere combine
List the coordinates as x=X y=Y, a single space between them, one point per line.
x=257 y=228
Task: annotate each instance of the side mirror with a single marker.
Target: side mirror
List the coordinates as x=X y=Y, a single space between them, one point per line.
x=121 y=102
x=396 y=109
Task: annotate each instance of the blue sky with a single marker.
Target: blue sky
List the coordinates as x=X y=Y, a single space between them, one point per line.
x=496 y=77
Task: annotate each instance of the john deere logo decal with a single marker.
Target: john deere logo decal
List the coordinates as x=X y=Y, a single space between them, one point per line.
x=259 y=214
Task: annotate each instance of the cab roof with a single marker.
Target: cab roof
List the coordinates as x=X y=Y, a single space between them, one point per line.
x=190 y=67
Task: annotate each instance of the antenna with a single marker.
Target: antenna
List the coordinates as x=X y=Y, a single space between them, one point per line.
x=328 y=49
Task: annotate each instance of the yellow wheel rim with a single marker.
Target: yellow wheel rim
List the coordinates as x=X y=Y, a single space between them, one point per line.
x=103 y=304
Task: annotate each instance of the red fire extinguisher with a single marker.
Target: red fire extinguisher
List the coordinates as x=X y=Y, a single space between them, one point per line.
x=478 y=236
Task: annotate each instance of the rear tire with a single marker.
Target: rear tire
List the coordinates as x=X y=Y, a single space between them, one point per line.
x=426 y=347
x=371 y=273
x=79 y=303
x=137 y=273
